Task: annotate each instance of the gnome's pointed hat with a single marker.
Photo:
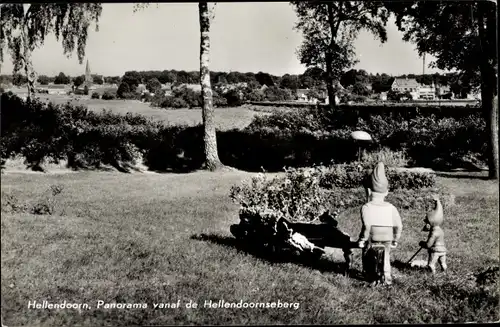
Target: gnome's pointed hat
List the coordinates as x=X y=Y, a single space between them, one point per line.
x=435 y=217
x=379 y=182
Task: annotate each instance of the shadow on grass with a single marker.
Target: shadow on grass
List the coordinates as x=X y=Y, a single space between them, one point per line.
x=322 y=264
x=406 y=267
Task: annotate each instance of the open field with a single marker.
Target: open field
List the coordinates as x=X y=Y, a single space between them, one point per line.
x=226 y=118
x=150 y=238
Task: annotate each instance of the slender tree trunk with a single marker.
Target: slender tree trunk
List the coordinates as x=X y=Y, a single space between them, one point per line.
x=329 y=81
x=28 y=65
x=489 y=99
x=494 y=172
x=212 y=160
x=329 y=59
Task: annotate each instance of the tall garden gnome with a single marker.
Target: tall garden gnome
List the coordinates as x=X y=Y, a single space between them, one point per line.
x=435 y=240
x=381 y=228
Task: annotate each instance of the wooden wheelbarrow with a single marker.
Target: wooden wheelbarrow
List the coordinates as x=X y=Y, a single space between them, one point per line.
x=322 y=235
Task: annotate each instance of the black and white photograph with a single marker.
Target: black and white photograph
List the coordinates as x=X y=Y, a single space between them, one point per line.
x=249 y=163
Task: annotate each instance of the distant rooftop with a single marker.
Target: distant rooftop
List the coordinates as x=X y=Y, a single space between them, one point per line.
x=56 y=86
x=406 y=82
x=194 y=87
x=301 y=92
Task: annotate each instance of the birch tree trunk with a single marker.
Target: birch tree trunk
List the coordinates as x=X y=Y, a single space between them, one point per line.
x=489 y=98
x=212 y=161
x=28 y=65
x=329 y=58
x=25 y=54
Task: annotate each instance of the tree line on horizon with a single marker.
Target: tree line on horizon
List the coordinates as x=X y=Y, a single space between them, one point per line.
x=359 y=80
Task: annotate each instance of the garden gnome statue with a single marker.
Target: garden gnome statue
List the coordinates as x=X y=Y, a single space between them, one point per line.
x=381 y=228
x=435 y=240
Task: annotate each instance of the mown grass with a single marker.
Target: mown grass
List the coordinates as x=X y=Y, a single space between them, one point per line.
x=165 y=237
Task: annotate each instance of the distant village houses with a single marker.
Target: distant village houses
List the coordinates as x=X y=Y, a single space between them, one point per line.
x=404 y=85
x=303 y=96
x=419 y=91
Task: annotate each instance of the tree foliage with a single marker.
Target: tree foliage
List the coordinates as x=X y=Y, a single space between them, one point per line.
x=360 y=88
x=449 y=31
x=24 y=27
x=329 y=30
x=264 y=79
x=289 y=82
x=354 y=76
x=132 y=79
x=461 y=36
x=98 y=79
x=43 y=80
x=18 y=79
x=62 y=79
x=68 y=21
x=153 y=85
x=123 y=90
x=79 y=80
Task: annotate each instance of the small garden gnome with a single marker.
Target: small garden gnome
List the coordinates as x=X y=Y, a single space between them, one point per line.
x=435 y=240
x=381 y=228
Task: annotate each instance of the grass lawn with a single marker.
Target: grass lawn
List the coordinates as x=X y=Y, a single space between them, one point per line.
x=159 y=238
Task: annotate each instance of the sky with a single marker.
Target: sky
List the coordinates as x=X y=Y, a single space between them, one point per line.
x=245 y=37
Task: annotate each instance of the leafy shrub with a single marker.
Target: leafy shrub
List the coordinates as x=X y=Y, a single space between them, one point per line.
x=147 y=97
x=123 y=90
x=389 y=157
x=108 y=96
x=340 y=199
x=47 y=205
x=10 y=203
x=275 y=93
x=296 y=120
x=233 y=98
x=184 y=97
x=254 y=95
x=295 y=196
x=173 y=103
x=95 y=95
x=189 y=96
x=45 y=131
x=353 y=175
x=218 y=100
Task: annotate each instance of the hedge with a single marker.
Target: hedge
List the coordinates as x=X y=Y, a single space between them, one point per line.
x=429 y=141
x=353 y=176
x=40 y=131
x=405 y=109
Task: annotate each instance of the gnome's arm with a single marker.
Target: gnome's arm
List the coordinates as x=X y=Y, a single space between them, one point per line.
x=397 y=224
x=430 y=240
x=365 y=227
